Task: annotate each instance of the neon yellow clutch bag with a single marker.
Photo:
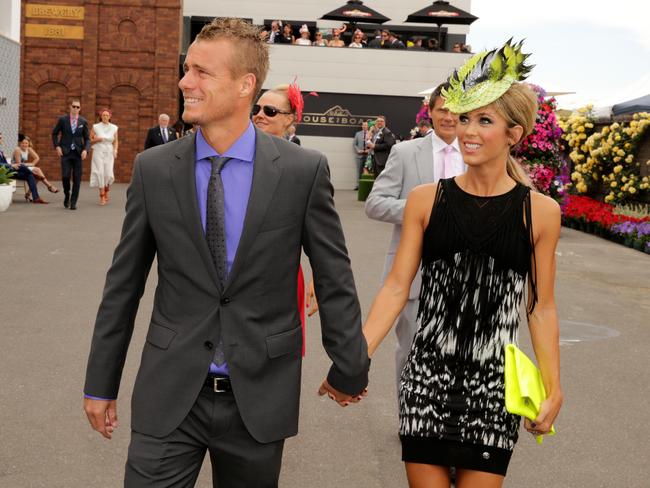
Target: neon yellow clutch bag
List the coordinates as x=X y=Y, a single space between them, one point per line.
x=524 y=387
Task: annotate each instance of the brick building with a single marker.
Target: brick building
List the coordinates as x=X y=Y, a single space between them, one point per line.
x=121 y=54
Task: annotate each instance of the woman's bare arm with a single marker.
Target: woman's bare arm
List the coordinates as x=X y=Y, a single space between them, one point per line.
x=543 y=322
x=35 y=157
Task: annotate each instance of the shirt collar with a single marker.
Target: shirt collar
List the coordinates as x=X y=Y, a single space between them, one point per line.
x=440 y=145
x=242 y=149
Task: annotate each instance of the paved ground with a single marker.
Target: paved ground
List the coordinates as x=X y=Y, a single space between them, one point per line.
x=53 y=263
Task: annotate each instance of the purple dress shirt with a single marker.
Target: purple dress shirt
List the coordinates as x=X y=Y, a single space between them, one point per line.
x=237 y=178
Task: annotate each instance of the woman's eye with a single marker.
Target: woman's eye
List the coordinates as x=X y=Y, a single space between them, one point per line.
x=463 y=119
x=485 y=121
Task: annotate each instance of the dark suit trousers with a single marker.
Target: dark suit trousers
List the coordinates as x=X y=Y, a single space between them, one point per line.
x=24 y=173
x=71 y=165
x=213 y=424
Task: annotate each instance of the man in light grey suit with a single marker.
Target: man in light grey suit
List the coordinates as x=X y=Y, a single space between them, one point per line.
x=220 y=369
x=361 y=149
x=413 y=163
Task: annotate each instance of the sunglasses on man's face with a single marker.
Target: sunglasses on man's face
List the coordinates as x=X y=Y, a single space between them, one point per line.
x=269 y=110
x=75 y=106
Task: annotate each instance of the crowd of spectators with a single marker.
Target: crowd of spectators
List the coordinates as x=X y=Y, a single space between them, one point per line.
x=284 y=33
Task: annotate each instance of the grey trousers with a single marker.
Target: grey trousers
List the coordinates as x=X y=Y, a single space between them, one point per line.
x=405 y=329
x=213 y=424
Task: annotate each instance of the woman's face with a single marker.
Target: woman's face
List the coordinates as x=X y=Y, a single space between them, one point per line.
x=287 y=30
x=484 y=136
x=105 y=117
x=358 y=38
x=278 y=124
x=304 y=35
x=24 y=144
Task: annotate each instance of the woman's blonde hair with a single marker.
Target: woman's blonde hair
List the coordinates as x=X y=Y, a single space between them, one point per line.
x=519 y=107
x=284 y=91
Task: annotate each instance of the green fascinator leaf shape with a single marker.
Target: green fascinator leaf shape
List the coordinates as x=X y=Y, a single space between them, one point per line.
x=485 y=77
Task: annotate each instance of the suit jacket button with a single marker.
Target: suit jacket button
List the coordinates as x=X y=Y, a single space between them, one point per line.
x=225 y=301
x=208 y=345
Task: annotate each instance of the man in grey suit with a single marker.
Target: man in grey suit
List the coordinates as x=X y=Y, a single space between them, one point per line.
x=360 y=148
x=220 y=369
x=413 y=163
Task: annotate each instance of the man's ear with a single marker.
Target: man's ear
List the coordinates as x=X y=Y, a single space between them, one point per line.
x=247 y=87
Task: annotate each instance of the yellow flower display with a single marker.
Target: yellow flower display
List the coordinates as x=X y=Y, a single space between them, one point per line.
x=606 y=156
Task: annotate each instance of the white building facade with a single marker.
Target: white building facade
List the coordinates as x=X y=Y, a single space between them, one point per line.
x=9 y=72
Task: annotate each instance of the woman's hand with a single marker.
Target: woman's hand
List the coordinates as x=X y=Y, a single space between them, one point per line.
x=311 y=299
x=548 y=412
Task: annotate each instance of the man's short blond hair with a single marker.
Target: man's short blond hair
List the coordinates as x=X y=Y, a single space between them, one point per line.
x=252 y=51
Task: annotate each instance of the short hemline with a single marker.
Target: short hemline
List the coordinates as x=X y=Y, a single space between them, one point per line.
x=442 y=452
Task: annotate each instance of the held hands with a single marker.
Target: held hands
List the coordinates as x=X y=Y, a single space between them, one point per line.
x=84 y=153
x=339 y=397
x=102 y=415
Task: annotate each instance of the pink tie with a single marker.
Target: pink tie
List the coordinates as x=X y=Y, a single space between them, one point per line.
x=447 y=163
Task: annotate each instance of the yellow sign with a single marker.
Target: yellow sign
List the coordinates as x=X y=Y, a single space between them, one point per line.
x=51 y=31
x=67 y=12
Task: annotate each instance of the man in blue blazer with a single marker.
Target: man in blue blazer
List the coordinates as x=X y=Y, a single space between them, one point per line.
x=71 y=139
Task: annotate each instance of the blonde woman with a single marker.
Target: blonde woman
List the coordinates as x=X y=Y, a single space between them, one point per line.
x=482 y=239
x=336 y=40
x=103 y=137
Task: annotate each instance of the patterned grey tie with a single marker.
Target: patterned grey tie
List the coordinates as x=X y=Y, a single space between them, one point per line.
x=215 y=233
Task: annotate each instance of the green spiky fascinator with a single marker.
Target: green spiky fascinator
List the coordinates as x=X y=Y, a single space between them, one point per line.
x=485 y=77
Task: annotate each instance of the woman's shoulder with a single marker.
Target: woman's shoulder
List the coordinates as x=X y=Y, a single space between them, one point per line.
x=423 y=194
x=544 y=205
x=546 y=214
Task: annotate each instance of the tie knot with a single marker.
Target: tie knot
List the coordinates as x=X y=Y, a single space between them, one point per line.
x=218 y=164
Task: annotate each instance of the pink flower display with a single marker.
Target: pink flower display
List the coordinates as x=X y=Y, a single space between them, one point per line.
x=539 y=153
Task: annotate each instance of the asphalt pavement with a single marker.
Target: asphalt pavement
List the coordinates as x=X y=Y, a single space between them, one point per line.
x=53 y=263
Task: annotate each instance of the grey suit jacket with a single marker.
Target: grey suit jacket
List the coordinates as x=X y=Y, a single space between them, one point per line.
x=290 y=207
x=409 y=164
x=359 y=144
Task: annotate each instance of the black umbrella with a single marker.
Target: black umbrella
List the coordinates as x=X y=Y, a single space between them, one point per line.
x=355 y=11
x=641 y=104
x=441 y=13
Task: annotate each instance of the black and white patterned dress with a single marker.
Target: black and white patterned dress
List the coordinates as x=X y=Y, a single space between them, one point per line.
x=477 y=255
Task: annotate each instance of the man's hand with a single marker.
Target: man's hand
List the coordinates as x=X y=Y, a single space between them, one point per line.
x=311 y=299
x=102 y=415
x=341 y=398
x=59 y=151
x=84 y=153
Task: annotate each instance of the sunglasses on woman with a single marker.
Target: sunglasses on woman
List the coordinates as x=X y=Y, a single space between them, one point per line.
x=269 y=110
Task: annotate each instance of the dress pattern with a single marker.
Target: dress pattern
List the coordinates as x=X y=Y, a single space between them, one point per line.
x=101 y=165
x=475 y=264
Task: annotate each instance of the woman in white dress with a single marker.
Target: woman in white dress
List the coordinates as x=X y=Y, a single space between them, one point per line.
x=304 y=39
x=103 y=137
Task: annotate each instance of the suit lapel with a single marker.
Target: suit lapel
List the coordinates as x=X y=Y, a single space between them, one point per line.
x=266 y=175
x=424 y=160
x=183 y=178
